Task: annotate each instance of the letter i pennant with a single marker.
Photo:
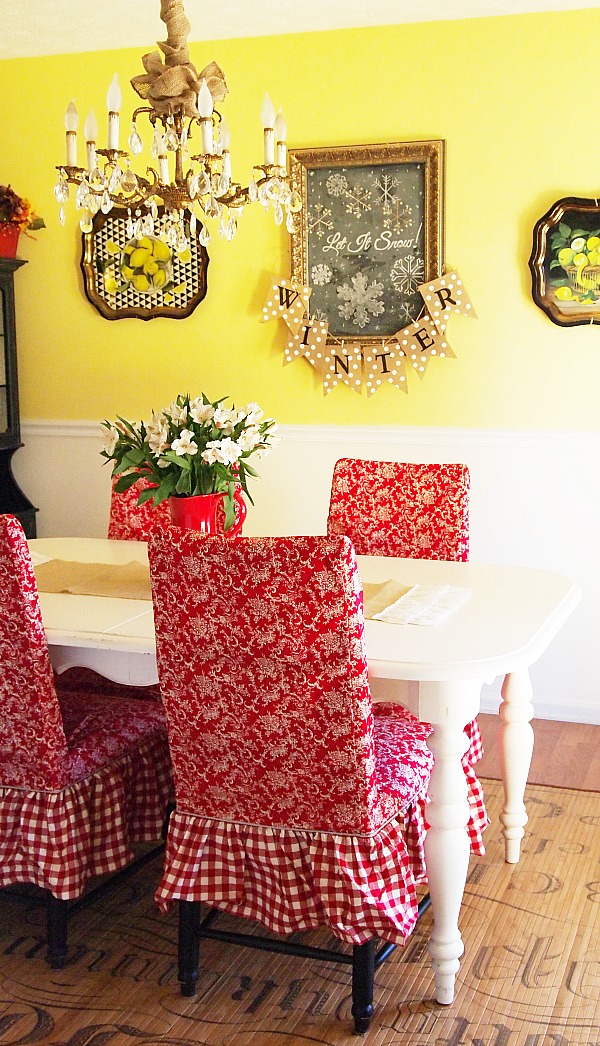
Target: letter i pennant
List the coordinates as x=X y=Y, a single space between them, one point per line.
x=310 y=341
x=288 y=301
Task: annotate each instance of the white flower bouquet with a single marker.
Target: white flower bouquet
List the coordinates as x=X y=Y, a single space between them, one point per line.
x=191 y=447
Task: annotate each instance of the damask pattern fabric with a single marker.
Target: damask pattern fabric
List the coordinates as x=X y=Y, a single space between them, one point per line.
x=132 y=522
x=264 y=679
x=391 y=508
x=81 y=778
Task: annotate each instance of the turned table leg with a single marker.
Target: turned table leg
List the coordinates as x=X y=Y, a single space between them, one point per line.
x=515 y=748
x=447 y=843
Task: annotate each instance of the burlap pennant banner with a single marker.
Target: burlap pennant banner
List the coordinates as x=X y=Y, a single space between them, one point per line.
x=369 y=365
x=446 y=295
x=421 y=342
x=343 y=364
x=384 y=364
x=310 y=341
x=287 y=301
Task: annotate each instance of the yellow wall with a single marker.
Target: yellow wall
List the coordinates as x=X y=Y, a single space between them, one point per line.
x=515 y=100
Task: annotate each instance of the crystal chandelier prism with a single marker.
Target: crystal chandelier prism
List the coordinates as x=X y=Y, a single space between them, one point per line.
x=190 y=181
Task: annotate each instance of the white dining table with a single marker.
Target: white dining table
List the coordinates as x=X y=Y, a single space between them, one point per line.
x=505 y=624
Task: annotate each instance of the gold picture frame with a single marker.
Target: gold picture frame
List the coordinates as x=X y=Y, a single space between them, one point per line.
x=370 y=231
x=166 y=282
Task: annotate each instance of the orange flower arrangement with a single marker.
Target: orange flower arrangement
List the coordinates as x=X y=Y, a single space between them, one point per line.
x=17 y=210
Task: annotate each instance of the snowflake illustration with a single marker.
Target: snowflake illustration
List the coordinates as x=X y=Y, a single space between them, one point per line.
x=360 y=299
x=337 y=184
x=384 y=186
x=358 y=200
x=319 y=220
x=320 y=275
x=398 y=216
x=407 y=273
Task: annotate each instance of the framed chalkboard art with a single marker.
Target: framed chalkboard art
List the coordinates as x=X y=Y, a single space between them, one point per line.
x=370 y=232
x=565 y=262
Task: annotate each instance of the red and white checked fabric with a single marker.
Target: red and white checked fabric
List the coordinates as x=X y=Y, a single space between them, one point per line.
x=132 y=522
x=391 y=508
x=264 y=679
x=81 y=778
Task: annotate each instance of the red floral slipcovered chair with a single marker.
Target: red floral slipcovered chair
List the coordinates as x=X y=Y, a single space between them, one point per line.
x=132 y=522
x=412 y=511
x=287 y=810
x=391 y=508
x=81 y=778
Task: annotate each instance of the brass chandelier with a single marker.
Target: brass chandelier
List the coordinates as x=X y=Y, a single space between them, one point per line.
x=191 y=187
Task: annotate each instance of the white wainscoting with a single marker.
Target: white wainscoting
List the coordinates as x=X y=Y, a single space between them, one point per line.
x=535 y=500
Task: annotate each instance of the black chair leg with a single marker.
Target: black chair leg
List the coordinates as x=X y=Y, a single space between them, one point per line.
x=56 y=931
x=363 y=974
x=189 y=946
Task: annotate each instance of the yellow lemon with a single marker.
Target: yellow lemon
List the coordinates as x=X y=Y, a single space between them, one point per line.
x=113 y=248
x=592 y=244
x=564 y=293
x=578 y=243
x=185 y=256
x=110 y=284
x=150 y=267
x=565 y=256
x=159 y=279
x=141 y=282
x=580 y=259
x=127 y=272
x=160 y=250
x=139 y=256
x=179 y=288
x=145 y=242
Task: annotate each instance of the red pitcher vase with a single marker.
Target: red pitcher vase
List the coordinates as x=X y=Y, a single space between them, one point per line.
x=205 y=512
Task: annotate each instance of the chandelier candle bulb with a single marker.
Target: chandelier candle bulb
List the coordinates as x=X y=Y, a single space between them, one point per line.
x=205 y=108
x=91 y=133
x=113 y=102
x=267 y=115
x=71 y=124
x=163 y=162
x=280 y=136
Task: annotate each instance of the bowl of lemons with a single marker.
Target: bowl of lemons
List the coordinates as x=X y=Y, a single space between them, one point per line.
x=147 y=264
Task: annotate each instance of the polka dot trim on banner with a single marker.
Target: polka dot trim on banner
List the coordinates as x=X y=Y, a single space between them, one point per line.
x=420 y=342
x=342 y=366
x=287 y=301
x=445 y=296
x=384 y=365
x=310 y=338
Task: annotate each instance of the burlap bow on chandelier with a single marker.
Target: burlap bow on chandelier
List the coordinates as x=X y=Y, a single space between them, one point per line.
x=174 y=84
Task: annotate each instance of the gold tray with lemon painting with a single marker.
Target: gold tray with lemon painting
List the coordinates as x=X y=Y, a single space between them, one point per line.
x=141 y=276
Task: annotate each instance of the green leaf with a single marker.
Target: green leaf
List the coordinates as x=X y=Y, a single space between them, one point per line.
x=184 y=463
x=125 y=482
x=146 y=495
x=565 y=230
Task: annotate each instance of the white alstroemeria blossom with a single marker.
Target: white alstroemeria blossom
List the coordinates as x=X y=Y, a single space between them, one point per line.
x=108 y=438
x=249 y=438
x=225 y=420
x=176 y=413
x=185 y=444
x=201 y=412
x=225 y=451
x=254 y=413
x=158 y=442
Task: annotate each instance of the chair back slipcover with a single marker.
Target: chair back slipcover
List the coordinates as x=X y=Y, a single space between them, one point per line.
x=391 y=508
x=280 y=814
x=132 y=522
x=83 y=776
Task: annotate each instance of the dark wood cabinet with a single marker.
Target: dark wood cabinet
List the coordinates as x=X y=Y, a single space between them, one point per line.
x=12 y=498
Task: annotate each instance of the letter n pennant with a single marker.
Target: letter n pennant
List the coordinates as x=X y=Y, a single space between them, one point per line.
x=342 y=365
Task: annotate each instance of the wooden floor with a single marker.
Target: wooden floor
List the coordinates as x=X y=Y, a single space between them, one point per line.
x=566 y=755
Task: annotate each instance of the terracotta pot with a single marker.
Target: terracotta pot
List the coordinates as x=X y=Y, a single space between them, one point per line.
x=205 y=512
x=9 y=238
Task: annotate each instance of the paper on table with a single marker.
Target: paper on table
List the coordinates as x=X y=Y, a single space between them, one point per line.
x=378 y=596
x=416 y=605
x=119 y=580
